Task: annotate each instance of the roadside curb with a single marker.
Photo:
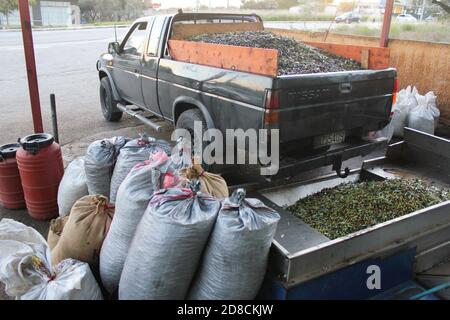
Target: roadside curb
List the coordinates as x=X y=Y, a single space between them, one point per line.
x=67 y=28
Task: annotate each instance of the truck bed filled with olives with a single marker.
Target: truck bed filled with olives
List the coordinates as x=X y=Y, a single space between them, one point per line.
x=294 y=57
x=348 y=208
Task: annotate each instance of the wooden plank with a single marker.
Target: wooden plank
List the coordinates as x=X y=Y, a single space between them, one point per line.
x=378 y=57
x=365 y=58
x=183 y=31
x=253 y=60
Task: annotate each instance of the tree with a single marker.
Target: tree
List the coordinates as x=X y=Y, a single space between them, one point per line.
x=9 y=6
x=265 y=5
x=286 y=4
x=444 y=6
x=346 y=6
x=111 y=10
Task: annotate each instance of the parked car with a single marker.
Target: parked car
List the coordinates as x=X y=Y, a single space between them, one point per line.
x=431 y=19
x=295 y=10
x=313 y=111
x=406 y=17
x=348 y=17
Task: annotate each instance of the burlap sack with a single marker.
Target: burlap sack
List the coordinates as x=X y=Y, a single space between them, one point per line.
x=55 y=230
x=85 y=230
x=211 y=183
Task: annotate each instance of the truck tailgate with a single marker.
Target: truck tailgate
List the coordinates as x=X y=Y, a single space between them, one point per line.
x=319 y=104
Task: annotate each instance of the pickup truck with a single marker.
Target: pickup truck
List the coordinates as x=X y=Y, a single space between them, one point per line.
x=312 y=111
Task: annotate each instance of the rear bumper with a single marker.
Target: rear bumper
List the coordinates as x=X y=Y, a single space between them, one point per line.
x=292 y=166
x=305 y=167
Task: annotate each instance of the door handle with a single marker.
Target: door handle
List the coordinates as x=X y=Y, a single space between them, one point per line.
x=136 y=73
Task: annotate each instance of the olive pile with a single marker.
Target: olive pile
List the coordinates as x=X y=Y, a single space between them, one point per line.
x=294 y=57
x=348 y=208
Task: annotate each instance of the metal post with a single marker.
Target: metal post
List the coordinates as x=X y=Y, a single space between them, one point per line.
x=384 y=39
x=422 y=10
x=27 y=36
x=54 y=118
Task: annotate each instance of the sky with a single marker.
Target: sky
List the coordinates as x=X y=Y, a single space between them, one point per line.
x=192 y=3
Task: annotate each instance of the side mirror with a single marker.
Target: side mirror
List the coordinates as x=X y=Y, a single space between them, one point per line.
x=131 y=51
x=113 y=48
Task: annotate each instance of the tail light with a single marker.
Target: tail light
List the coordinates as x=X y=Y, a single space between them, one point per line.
x=272 y=106
x=394 y=94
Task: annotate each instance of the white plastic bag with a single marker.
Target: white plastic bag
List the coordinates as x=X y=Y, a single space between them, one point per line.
x=26 y=270
x=387 y=132
x=406 y=101
x=72 y=187
x=235 y=260
x=132 y=200
x=167 y=247
x=134 y=152
x=423 y=117
x=181 y=156
x=432 y=104
x=99 y=163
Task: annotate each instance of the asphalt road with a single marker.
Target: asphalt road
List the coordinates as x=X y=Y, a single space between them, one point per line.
x=65 y=62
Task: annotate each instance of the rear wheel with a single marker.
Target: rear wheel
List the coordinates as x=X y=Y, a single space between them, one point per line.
x=108 y=103
x=186 y=121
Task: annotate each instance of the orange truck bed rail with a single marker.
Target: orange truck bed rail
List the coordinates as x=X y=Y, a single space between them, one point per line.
x=253 y=60
x=265 y=61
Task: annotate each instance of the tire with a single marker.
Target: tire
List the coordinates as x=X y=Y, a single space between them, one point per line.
x=186 y=121
x=108 y=103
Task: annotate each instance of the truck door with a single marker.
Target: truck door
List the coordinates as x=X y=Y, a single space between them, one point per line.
x=150 y=66
x=127 y=64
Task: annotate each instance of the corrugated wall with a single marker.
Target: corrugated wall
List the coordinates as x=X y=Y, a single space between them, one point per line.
x=423 y=64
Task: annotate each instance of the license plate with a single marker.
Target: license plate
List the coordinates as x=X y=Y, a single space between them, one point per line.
x=329 y=139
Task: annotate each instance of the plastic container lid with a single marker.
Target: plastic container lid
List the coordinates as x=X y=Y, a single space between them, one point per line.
x=8 y=151
x=35 y=142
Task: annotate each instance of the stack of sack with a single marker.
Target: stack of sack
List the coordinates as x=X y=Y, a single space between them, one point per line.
x=90 y=174
x=425 y=116
x=72 y=187
x=241 y=238
x=27 y=272
x=105 y=165
x=210 y=183
x=158 y=172
x=414 y=111
x=171 y=234
x=132 y=200
x=134 y=152
x=169 y=240
x=133 y=196
x=99 y=164
x=81 y=234
x=186 y=240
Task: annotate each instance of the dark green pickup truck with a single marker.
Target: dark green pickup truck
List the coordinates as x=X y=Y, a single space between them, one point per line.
x=336 y=108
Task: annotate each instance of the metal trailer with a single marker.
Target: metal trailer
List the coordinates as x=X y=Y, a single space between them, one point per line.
x=305 y=264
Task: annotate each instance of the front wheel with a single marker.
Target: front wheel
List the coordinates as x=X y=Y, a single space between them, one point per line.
x=108 y=103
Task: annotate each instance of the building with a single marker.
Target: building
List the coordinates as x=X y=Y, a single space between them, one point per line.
x=49 y=13
x=367 y=7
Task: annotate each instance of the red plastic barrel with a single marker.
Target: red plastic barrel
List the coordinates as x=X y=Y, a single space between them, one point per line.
x=41 y=168
x=11 y=193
